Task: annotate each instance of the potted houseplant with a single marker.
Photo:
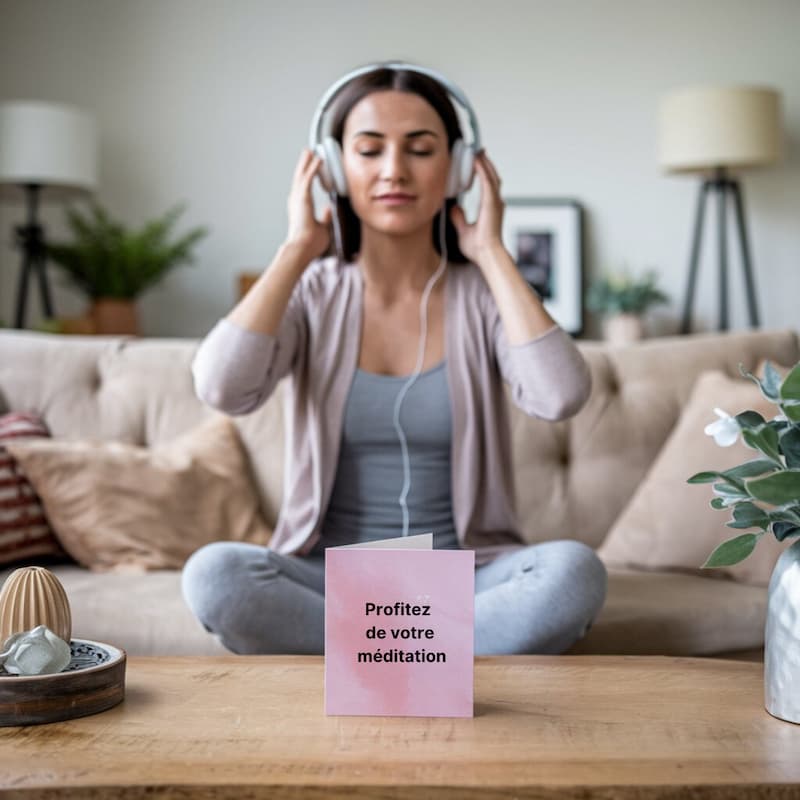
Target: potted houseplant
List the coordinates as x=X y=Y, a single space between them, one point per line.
x=764 y=493
x=622 y=300
x=113 y=264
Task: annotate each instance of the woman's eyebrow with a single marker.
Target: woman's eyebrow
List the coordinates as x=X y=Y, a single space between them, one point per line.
x=410 y=135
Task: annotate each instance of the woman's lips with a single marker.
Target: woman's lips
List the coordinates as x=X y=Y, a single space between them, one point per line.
x=396 y=200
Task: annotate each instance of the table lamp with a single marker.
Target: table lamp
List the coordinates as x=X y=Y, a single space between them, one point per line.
x=47 y=152
x=709 y=130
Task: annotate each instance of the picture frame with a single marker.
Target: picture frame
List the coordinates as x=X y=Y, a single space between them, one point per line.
x=544 y=236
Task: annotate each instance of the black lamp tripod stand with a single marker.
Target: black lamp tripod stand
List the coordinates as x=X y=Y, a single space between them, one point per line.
x=30 y=238
x=721 y=184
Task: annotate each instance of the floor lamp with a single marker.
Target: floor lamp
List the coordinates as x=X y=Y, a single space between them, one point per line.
x=47 y=153
x=715 y=132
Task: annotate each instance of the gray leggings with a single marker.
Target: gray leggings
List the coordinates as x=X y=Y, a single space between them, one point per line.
x=539 y=599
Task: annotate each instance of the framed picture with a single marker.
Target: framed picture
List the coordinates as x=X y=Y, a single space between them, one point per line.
x=545 y=239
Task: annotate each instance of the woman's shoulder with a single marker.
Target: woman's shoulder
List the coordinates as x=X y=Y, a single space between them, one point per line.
x=324 y=277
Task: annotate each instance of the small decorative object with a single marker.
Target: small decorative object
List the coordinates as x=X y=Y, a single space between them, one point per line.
x=622 y=301
x=33 y=596
x=113 y=265
x=93 y=681
x=545 y=238
x=764 y=493
x=36 y=652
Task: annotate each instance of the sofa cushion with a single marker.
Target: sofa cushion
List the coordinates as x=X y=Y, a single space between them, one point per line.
x=663 y=613
x=574 y=478
x=143 y=614
x=644 y=614
x=116 y=506
x=129 y=389
x=669 y=524
x=25 y=533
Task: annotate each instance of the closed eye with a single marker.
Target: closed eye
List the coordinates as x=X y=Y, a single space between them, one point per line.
x=413 y=153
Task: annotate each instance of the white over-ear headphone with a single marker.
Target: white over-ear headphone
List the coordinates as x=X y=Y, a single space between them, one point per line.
x=331 y=170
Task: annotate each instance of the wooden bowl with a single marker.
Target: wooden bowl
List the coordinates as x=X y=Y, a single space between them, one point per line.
x=93 y=681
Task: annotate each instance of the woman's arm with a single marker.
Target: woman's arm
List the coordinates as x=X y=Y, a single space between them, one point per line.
x=548 y=376
x=524 y=317
x=247 y=352
x=262 y=308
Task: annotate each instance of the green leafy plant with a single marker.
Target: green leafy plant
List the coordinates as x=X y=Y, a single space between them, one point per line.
x=763 y=493
x=106 y=259
x=620 y=293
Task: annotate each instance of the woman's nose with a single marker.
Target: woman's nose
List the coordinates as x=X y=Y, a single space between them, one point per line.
x=393 y=164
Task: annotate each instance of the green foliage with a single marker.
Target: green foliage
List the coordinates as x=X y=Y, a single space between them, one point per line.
x=108 y=260
x=763 y=493
x=622 y=294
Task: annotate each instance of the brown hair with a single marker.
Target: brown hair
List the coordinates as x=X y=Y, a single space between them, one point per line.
x=433 y=92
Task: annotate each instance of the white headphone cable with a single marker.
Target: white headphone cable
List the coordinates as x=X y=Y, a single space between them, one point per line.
x=417 y=370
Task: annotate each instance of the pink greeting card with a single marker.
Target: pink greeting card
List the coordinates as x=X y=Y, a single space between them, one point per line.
x=399 y=629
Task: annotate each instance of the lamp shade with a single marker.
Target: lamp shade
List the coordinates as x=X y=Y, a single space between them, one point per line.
x=705 y=127
x=48 y=144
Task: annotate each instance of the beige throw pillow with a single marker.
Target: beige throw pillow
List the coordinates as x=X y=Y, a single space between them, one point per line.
x=668 y=524
x=119 y=507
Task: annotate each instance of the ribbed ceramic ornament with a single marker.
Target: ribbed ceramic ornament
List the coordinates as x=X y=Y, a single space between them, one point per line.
x=34 y=596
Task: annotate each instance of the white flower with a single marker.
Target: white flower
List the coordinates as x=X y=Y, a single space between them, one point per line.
x=725 y=430
x=780 y=418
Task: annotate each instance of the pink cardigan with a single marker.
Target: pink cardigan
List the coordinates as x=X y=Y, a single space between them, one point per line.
x=236 y=369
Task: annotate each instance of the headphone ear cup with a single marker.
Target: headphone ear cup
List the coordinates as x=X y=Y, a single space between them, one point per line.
x=467 y=168
x=451 y=189
x=322 y=173
x=462 y=168
x=332 y=167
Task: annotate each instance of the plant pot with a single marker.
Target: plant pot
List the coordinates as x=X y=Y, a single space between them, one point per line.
x=623 y=329
x=111 y=315
x=782 y=638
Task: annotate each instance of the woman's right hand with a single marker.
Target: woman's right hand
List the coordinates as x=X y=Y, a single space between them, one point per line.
x=312 y=235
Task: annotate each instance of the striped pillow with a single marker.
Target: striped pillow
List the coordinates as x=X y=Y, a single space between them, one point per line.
x=25 y=533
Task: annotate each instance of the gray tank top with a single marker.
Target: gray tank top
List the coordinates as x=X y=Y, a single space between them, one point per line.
x=364 y=504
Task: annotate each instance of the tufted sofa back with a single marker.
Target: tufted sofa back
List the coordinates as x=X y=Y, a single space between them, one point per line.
x=573 y=477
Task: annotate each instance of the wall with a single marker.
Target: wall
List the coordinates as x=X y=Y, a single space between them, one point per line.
x=210 y=102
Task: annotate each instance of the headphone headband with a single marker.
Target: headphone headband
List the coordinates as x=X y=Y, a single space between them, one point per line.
x=454 y=91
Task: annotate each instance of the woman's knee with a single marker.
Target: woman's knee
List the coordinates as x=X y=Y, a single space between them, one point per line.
x=213 y=572
x=572 y=569
x=584 y=568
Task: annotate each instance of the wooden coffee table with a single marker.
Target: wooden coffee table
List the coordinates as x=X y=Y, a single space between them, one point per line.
x=249 y=727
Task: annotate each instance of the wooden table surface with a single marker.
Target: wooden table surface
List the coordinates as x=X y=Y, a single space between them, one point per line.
x=544 y=726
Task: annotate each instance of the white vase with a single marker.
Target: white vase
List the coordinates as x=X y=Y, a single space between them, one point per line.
x=782 y=638
x=622 y=329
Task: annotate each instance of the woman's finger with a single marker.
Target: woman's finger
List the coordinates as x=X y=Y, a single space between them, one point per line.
x=302 y=162
x=480 y=166
x=311 y=170
x=484 y=170
x=490 y=168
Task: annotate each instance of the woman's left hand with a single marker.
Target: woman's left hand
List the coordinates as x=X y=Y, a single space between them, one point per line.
x=479 y=238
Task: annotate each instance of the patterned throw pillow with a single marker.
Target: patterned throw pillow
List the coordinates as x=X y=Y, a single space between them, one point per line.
x=25 y=533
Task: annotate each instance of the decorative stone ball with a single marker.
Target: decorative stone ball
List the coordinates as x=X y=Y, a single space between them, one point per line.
x=33 y=596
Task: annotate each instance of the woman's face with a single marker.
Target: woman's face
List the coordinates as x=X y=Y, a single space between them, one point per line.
x=395 y=142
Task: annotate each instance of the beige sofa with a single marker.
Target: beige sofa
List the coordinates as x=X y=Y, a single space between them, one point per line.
x=573 y=478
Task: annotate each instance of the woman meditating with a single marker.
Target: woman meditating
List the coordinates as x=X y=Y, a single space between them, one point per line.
x=397 y=324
